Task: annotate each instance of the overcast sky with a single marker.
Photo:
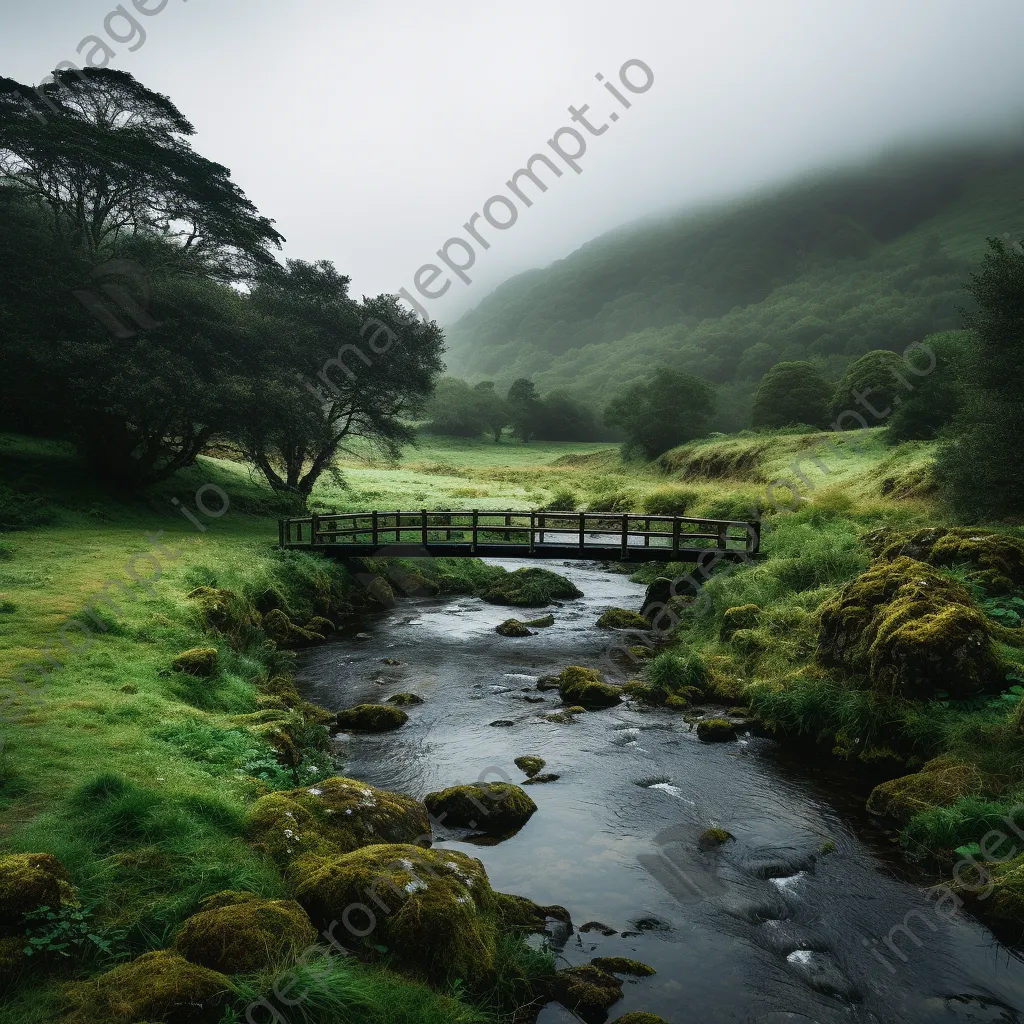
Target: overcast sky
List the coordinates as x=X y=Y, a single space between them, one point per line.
x=371 y=130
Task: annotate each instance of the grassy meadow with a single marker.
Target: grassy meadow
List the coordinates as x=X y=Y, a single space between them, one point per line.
x=138 y=778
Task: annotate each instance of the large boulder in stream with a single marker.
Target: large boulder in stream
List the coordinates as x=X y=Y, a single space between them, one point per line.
x=494 y=807
x=529 y=588
x=372 y=718
x=585 y=688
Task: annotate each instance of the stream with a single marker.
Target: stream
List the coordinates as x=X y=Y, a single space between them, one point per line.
x=763 y=929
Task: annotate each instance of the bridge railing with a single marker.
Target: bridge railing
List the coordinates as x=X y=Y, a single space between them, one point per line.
x=527 y=532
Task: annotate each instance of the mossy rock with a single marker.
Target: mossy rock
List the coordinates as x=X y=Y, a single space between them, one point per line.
x=712 y=837
x=225 y=612
x=540 y=780
x=494 y=807
x=240 y=933
x=560 y=718
x=542 y=623
x=321 y=626
x=530 y=764
x=512 y=627
x=529 y=588
x=645 y=693
x=158 y=986
x=199 y=661
x=622 y=618
x=677 y=701
x=432 y=909
x=29 y=881
x=406 y=700
x=587 y=991
x=716 y=730
x=286 y=633
x=545 y=683
x=743 y=616
x=517 y=912
x=333 y=817
x=1004 y=903
x=272 y=599
x=639 y=1017
x=584 y=687
x=940 y=783
x=1000 y=558
x=371 y=718
x=911 y=631
x=623 y=965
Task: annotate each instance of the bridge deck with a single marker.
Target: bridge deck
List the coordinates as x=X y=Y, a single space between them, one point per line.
x=600 y=536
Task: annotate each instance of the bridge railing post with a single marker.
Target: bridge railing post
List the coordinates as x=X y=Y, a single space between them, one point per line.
x=677 y=527
x=373 y=527
x=313 y=524
x=583 y=530
x=754 y=538
x=281 y=528
x=625 y=536
x=423 y=528
x=475 y=527
x=723 y=535
x=542 y=528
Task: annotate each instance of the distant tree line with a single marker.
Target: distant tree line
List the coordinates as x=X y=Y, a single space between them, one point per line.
x=145 y=316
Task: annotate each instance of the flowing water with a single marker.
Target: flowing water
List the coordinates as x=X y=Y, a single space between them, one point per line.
x=763 y=929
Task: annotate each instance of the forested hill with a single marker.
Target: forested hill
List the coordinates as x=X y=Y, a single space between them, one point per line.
x=826 y=269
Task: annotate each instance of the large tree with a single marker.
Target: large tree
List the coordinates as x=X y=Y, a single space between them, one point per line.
x=110 y=159
x=525 y=408
x=982 y=461
x=667 y=410
x=333 y=370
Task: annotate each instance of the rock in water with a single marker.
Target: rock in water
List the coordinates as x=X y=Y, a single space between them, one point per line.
x=487 y=806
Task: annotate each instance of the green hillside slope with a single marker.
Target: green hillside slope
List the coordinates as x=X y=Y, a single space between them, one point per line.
x=827 y=269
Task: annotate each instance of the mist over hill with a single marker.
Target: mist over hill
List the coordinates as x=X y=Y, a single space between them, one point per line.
x=827 y=268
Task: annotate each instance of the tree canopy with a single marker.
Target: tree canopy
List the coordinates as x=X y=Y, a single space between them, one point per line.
x=791 y=393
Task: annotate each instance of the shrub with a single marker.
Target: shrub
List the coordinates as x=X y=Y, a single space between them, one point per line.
x=792 y=393
x=875 y=377
x=937 y=397
x=670 y=501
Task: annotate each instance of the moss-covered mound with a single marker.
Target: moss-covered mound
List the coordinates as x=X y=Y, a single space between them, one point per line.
x=940 y=783
x=286 y=633
x=29 y=881
x=622 y=618
x=238 y=933
x=334 y=817
x=1004 y=902
x=431 y=909
x=911 y=631
x=488 y=806
x=225 y=612
x=12 y=958
x=623 y=965
x=744 y=616
x=543 y=622
x=512 y=627
x=530 y=764
x=372 y=718
x=584 y=687
x=199 y=661
x=159 y=986
x=712 y=837
x=539 y=780
x=587 y=991
x=529 y=588
x=405 y=700
x=716 y=730
x=999 y=558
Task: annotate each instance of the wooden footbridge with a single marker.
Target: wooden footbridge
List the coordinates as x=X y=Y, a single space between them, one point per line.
x=595 y=536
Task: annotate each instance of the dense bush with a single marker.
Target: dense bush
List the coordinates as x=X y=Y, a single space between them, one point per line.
x=792 y=393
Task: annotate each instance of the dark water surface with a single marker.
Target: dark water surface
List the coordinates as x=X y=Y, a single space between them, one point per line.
x=762 y=930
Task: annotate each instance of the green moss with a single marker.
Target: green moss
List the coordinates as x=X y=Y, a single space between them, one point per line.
x=405 y=700
x=622 y=618
x=712 y=837
x=645 y=693
x=623 y=965
x=12 y=959
x=1004 y=904
x=639 y=1017
x=517 y=912
x=333 y=817
x=530 y=764
x=199 y=661
x=29 y=881
x=587 y=990
x=584 y=687
x=489 y=806
x=540 y=780
x=239 y=933
x=716 y=730
x=285 y=633
x=940 y=783
x=320 y=625
x=161 y=985
x=372 y=718
x=512 y=627
x=431 y=909
x=744 y=616
x=224 y=612
x=827 y=847
x=529 y=588
x=911 y=631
